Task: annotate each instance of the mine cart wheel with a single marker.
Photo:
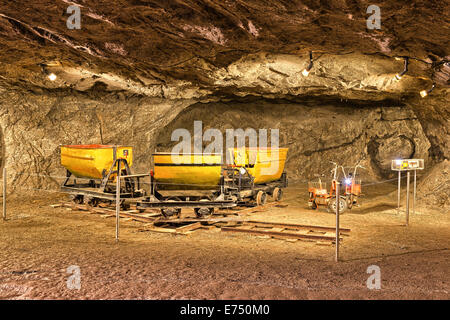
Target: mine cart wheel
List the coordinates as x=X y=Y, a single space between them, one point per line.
x=125 y=206
x=332 y=205
x=94 y=202
x=78 y=199
x=91 y=201
x=277 y=194
x=261 y=198
x=203 y=212
x=169 y=212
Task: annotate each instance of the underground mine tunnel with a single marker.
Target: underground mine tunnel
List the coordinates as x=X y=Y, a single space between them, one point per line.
x=80 y=98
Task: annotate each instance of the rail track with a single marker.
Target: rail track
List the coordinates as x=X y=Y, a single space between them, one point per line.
x=226 y=220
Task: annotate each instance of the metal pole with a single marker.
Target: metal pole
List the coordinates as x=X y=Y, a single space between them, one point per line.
x=352 y=189
x=408 y=174
x=337 y=222
x=4 y=193
x=398 y=191
x=117 y=199
x=414 y=198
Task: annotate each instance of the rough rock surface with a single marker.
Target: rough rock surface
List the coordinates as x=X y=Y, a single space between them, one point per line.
x=434 y=191
x=316 y=133
x=137 y=65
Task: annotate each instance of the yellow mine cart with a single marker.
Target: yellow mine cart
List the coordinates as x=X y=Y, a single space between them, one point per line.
x=187 y=171
x=96 y=168
x=93 y=161
x=264 y=164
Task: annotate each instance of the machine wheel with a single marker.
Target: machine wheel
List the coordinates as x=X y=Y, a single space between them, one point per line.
x=169 y=212
x=203 y=212
x=332 y=205
x=261 y=198
x=312 y=205
x=277 y=194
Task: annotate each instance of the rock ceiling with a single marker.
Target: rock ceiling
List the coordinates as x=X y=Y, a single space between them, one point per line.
x=177 y=49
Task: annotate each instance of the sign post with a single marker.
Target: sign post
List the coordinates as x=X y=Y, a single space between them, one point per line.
x=337 y=221
x=407 y=165
x=414 y=196
x=117 y=199
x=399 y=186
x=408 y=175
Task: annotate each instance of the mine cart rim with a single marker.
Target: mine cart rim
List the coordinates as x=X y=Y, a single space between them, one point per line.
x=94 y=202
x=171 y=211
x=261 y=198
x=198 y=211
x=277 y=194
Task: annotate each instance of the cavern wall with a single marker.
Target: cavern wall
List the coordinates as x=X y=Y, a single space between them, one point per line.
x=317 y=132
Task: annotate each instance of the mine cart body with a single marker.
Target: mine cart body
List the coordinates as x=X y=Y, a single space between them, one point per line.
x=94 y=160
x=264 y=164
x=187 y=171
x=201 y=171
x=176 y=178
x=92 y=173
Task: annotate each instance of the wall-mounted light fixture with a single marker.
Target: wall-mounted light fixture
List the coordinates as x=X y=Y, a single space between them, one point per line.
x=424 y=93
x=305 y=72
x=50 y=75
x=398 y=76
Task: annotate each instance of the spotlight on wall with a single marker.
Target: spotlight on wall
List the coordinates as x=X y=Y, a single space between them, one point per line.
x=306 y=71
x=398 y=76
x=424 y=93
x=45 y=65
x=52 y=76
